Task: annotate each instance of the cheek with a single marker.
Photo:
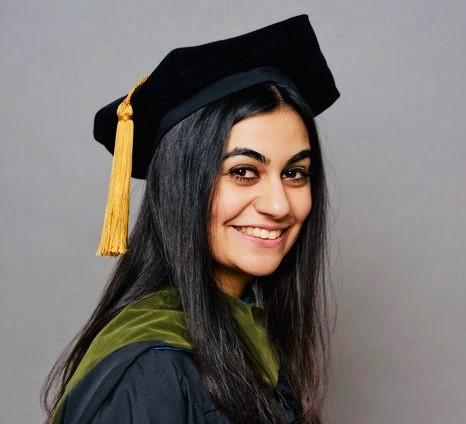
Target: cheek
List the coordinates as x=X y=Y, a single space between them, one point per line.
x=228 y=203
x=302 y=205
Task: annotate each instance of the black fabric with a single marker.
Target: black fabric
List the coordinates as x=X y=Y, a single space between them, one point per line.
x=151 y=382
x=286 y=48
x=217 y=90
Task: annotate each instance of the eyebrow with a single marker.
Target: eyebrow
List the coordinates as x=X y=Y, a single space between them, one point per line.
x=241 y=151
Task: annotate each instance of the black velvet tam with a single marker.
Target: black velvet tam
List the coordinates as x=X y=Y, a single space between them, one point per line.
x=189 y=78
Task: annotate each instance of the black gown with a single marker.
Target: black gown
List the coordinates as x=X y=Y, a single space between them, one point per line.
x=151 y=382
x=140 y=368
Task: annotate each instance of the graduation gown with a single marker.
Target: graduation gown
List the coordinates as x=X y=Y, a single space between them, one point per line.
x=140 y=368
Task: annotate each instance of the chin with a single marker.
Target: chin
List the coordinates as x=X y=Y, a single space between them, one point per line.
x=261 y=270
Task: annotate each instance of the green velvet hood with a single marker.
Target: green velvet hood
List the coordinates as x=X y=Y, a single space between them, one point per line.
x=159 y=316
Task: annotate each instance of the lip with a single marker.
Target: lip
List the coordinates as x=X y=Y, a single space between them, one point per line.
x=268 y=227
x=258 y=242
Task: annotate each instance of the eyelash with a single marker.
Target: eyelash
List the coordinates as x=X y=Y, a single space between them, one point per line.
x=306 y=174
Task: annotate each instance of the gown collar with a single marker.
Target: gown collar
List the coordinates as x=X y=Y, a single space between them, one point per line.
x=159 y=316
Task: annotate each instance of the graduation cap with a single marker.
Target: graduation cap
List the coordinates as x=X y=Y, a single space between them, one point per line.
x=189 y=78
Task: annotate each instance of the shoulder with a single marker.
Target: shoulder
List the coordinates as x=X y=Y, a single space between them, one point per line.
x=144 y=382
x=152 y=389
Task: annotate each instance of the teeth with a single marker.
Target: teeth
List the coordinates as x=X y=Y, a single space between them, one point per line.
x=260 y=232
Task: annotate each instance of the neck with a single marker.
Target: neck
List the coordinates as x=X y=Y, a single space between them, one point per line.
x=232 y=283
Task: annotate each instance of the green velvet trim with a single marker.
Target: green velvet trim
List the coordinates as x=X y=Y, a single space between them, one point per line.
x=159 y=316
x=251 y=320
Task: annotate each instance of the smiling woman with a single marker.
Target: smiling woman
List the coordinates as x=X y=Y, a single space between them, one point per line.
x=262 y=196
x=216 y=310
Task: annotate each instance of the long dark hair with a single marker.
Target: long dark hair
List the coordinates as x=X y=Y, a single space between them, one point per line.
x=168 y=246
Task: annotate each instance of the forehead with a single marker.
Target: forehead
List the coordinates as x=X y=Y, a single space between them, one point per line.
x=280 y=131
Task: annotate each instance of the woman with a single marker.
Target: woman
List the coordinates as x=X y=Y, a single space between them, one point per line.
x=216 y=310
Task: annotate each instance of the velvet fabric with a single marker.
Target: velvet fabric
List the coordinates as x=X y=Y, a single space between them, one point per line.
x=159 y=317
x=286 y=48
x=152 y=382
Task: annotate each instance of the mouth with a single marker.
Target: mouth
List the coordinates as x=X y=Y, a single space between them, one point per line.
x=261 y=237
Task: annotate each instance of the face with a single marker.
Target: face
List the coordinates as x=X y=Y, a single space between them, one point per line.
x=262 y=197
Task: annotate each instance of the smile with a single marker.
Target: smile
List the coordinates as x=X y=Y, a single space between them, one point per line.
x=260 y=232
x=260 y=236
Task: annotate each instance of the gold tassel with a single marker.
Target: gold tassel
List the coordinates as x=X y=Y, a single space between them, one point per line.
x=114 y=239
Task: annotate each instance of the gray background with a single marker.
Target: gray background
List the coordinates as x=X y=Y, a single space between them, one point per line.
x=394 y=147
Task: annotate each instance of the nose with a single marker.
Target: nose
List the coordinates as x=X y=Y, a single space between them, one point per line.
x=272 y=199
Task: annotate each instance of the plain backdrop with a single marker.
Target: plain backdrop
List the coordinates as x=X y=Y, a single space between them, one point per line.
x=395 y=151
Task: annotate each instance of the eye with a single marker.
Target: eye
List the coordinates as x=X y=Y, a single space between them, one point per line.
x=248 y=174
x=304 y=175
x=243 y=174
